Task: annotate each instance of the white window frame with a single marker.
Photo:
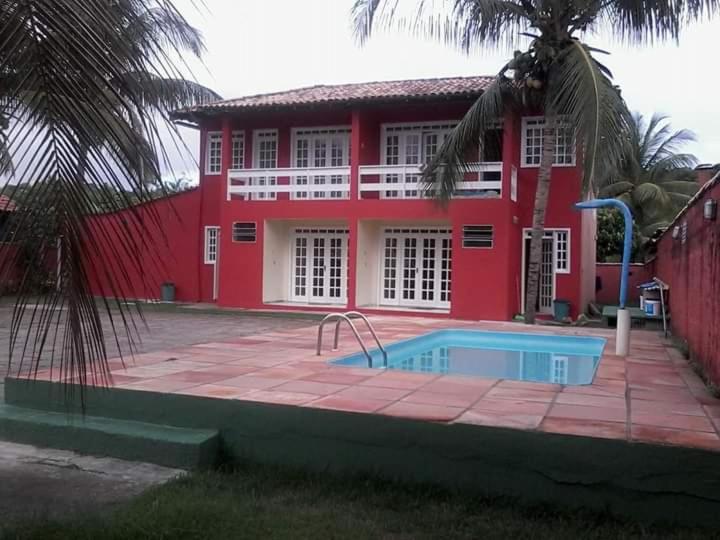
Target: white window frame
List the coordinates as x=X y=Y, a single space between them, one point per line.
x=212 y=136
x=210 y=231
x=237 y=160
x=557 y=239
x=540 y=123
x=312 y=132
x=271 y=180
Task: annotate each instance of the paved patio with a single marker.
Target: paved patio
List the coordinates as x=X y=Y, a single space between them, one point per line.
x=652 y=396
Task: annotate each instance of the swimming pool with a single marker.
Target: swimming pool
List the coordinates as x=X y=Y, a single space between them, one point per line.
x=548 y=358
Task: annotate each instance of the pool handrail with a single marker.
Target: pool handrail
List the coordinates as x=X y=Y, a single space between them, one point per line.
x=341 y=317
x=358 y=315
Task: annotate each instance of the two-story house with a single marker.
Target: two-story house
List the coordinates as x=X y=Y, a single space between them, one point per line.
x=309 y=199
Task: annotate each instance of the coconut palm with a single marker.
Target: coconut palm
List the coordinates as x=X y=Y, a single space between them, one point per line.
x=86 y=87
x=655 y=178
x=556 y=72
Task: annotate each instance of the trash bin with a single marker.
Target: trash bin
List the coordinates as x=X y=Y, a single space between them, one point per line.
x=561 y=309
x=167 y=292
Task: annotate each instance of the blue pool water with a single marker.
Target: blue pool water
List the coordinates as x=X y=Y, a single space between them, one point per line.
x=568 y=360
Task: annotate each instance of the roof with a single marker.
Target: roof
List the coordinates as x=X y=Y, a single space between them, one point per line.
x=382 y=91
x=7 y=204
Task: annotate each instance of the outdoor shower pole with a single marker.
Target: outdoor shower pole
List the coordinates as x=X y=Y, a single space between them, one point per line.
x=622 y=338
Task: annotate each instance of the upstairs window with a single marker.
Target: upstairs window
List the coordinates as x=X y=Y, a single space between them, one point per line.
x=244 y=232
x=266 y=149
x=238 y=150
x=213 y=153
x=532 y=143
x=478 y=236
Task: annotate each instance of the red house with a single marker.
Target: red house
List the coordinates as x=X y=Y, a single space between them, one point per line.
x=309 y=199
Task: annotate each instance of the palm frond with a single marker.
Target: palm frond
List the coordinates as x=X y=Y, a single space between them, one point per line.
x=580 y=90
x=449 y=165
x=640 y=21
x=615 y=189
x=72 y=108
x=681 y=186
x=465 y=24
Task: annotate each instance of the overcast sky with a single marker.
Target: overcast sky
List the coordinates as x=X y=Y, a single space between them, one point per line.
x=256 y=46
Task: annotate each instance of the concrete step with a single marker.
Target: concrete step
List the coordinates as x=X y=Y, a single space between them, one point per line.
x=124 y=439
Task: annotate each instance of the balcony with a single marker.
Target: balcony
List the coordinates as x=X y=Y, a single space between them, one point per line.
x=482 y=180
x=318 y=183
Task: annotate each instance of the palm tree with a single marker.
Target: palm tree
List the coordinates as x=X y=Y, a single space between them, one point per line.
x=655 y=178
x=557 y=73
x=86 y=86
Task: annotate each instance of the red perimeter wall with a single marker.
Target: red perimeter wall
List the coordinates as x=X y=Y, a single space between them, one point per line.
x=609 y=278
x=157 y=255
x=692 y=269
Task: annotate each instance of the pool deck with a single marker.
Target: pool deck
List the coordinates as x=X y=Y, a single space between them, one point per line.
x=652 y=396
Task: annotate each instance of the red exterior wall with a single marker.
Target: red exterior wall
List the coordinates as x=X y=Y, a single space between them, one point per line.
x=692 y=270
x=486 y=284
x=609 y=274
x=167 y=251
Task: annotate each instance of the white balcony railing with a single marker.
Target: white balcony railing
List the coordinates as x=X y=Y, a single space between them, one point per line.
x=402 y=181
x=483 y=180
x=301 y=183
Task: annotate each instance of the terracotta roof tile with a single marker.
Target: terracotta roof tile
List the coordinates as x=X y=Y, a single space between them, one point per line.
x=349 y=93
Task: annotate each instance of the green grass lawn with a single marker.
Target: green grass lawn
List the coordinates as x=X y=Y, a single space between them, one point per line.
x=266 y=502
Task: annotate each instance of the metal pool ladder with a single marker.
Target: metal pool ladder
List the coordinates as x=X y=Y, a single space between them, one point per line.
x=347 y=317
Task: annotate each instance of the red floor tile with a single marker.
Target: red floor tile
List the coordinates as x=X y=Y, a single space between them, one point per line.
x=659 y=435
x=509 y=406
x=585 y=428
x=675 y=421
x=278 y=397
x=252 y=383
x=391 y=380
x=157 y=385
x=440 y=398
x=198 y=377
x=214 y=391
x=340 y=403
x=496 y=419
x=666 y=407
x=418 y=411
x=311 y=387
x=521 y=394
x=337 y=376
x=581 y=412
x=590 y=400
x=374 y=393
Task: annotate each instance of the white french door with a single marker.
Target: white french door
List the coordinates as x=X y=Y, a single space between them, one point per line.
x=555 y=259
x=410 y=145
x=318 y=149
x=319 y=266
x=416 y=268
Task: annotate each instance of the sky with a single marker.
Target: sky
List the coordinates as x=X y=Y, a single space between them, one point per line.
x=257 y=46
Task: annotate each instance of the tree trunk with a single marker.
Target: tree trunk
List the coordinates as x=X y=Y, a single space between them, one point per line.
x=538 y=225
